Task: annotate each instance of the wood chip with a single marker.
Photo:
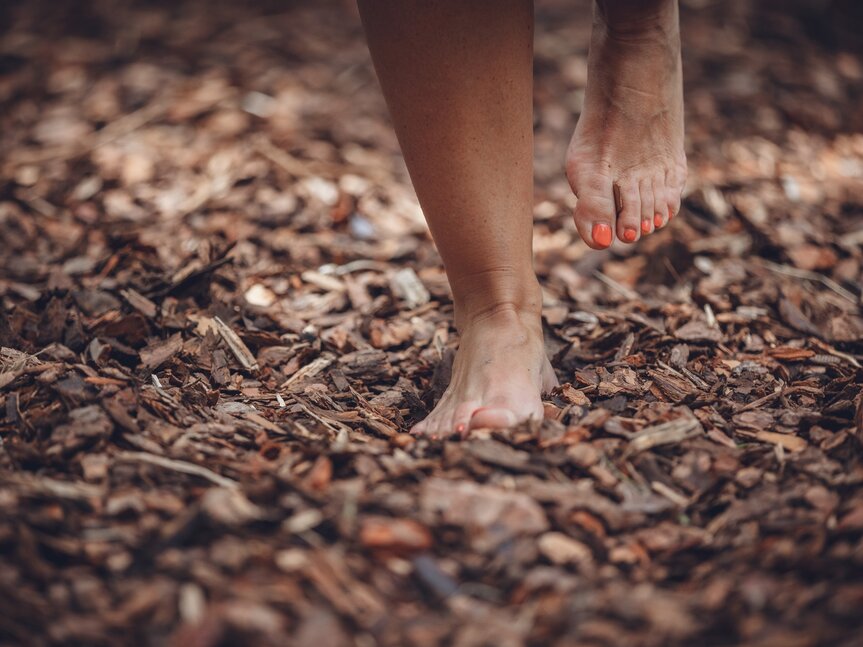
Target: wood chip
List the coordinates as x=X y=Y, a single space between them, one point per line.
x=667 y=433
x=238 y=348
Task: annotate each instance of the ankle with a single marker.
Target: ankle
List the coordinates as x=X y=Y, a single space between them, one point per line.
x=502 y=294
x=502 y=317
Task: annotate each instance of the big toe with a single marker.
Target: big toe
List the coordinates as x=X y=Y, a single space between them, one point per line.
x=492 y=417
x=595 y=213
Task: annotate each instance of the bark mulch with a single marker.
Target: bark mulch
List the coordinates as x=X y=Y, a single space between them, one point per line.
x=221 y=312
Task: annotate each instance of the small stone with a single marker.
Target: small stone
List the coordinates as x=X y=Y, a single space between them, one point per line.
x=260 y=295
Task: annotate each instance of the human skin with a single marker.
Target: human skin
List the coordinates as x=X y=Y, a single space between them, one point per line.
x=457 y=77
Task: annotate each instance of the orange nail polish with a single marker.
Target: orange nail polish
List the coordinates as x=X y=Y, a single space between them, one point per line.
x=460 y=428
x=602 y=234
x=645 y=226
x=629 y=234
x=657 y=220
x=670 y=214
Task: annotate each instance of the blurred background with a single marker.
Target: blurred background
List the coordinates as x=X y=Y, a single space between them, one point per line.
x=205 y=123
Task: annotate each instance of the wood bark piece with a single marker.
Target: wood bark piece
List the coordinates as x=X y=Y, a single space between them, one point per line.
x=238 y=348
x=667 y=433
x=407 y=285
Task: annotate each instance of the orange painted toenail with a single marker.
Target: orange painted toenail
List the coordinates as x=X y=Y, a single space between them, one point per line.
x=629 y=234
x=460 y=428
x=645 y=226
x=657 y=220
x=602 y=234
x=670 y=214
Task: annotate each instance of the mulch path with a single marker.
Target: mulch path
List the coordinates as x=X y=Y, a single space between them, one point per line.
x=221 y=312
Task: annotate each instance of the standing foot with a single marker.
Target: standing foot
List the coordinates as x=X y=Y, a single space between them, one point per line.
x=498 y=376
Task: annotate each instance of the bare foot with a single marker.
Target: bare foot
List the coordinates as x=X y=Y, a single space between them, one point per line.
x=498 y=374
x=626 y=161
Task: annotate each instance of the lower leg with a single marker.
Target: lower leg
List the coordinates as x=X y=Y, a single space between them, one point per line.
x=457 y=77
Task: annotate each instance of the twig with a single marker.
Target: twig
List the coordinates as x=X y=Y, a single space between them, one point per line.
x=670 y=369
x=610 y=282
x=309 y=370
x=238 y=348
x=123 y=126
x=672 y=495
x=305 y=168
x=755 y=404
x=48 y=487
x=832 y=351
x=178 y=466
x=810 y=276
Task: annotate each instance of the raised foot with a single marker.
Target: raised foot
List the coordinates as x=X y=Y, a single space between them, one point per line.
x=626 y=161
x=499 y=373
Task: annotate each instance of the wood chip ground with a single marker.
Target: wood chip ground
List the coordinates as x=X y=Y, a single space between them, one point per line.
x=221 y=313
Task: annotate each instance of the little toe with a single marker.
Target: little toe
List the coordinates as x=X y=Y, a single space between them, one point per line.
x=492 y=417
x=595 y=212
x=660 y=203
x=434 y=423
x=674 y=190
x=629 y=216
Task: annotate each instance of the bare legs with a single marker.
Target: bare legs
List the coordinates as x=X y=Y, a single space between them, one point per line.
x=457 y=77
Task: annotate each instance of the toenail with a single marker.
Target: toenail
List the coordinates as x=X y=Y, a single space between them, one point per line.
x=602 y=234
x=629 y=234
x=657 y=220
x=670 y=213
x=645 y=226
x=460 y=428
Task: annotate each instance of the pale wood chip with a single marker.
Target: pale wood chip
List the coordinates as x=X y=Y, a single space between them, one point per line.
x=238 y=348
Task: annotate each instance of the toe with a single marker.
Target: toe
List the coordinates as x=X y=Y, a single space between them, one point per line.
x=492 y=417
x=660 y=203
x=645 y=187
x=629 y=216
x=461 y=417
x=437 y=421
x=674 y=190
x=594 y=212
